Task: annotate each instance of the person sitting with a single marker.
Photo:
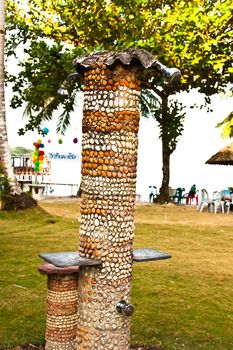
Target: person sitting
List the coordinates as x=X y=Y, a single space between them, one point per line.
x=192 y=194
x=192 y=191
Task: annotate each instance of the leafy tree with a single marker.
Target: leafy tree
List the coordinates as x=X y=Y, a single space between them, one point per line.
x=194 y=36
x=227 y=126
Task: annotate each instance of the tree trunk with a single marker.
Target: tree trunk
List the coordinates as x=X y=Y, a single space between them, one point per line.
x=15 y=198
x=79 y=192
x=163 y=196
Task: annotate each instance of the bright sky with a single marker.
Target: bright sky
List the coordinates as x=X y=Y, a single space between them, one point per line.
x=200 y=140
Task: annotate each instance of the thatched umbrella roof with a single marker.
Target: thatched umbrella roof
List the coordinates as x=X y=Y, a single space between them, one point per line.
x=222 y=157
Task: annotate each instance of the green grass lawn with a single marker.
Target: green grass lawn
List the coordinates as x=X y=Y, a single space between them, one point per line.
x=181 y=303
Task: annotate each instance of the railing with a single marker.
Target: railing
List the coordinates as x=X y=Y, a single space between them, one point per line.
x=60 y=189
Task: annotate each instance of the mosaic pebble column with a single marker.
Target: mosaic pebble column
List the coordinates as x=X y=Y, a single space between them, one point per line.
x=109 y=159
x=61 y=317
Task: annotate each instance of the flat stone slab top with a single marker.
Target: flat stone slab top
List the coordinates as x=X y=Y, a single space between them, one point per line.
x=65 y=259
x=148 y=254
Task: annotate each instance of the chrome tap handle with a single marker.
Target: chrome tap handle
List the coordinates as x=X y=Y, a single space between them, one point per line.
x=124 y=308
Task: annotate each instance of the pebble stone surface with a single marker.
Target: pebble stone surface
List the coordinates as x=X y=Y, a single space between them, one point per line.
x=61 y=318
x=109 y=160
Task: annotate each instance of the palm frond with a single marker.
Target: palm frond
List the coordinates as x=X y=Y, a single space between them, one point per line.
x=227 y=126
x=64 y=118
x=149 y=103
x=228 y=119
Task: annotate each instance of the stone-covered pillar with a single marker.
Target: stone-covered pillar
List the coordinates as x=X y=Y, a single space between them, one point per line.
x=109 y=160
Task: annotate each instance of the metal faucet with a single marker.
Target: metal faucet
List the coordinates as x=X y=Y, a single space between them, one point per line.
x=124 y=308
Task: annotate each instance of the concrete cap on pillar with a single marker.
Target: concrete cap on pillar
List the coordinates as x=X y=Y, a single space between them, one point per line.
x=171 y=76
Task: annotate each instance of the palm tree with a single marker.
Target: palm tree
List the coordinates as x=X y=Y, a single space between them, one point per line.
x=170 y=117
x=15 y=198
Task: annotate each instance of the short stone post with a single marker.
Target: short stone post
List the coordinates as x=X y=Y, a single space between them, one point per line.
x=61 y=317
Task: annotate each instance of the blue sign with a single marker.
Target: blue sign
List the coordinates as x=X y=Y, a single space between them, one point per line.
x=64 y=156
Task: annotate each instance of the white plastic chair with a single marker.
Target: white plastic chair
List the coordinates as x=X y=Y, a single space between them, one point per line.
x=205 y=200
x=217 y=202
x=226 y=196
x=227 y=205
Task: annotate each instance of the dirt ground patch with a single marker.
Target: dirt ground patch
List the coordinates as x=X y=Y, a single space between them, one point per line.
x=168 y=214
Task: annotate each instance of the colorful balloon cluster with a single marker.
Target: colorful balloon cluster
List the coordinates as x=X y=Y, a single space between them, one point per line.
x=38 y=156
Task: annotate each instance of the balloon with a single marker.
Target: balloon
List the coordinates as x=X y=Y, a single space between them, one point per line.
x=60 y=141
x=38 y=155
x=49 y=141
x=75 y=140
x=46 y=130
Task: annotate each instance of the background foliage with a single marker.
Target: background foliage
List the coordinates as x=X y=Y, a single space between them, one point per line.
x=193 y=36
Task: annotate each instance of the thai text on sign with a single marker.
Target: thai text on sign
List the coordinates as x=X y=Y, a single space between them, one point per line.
x=64 y=155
